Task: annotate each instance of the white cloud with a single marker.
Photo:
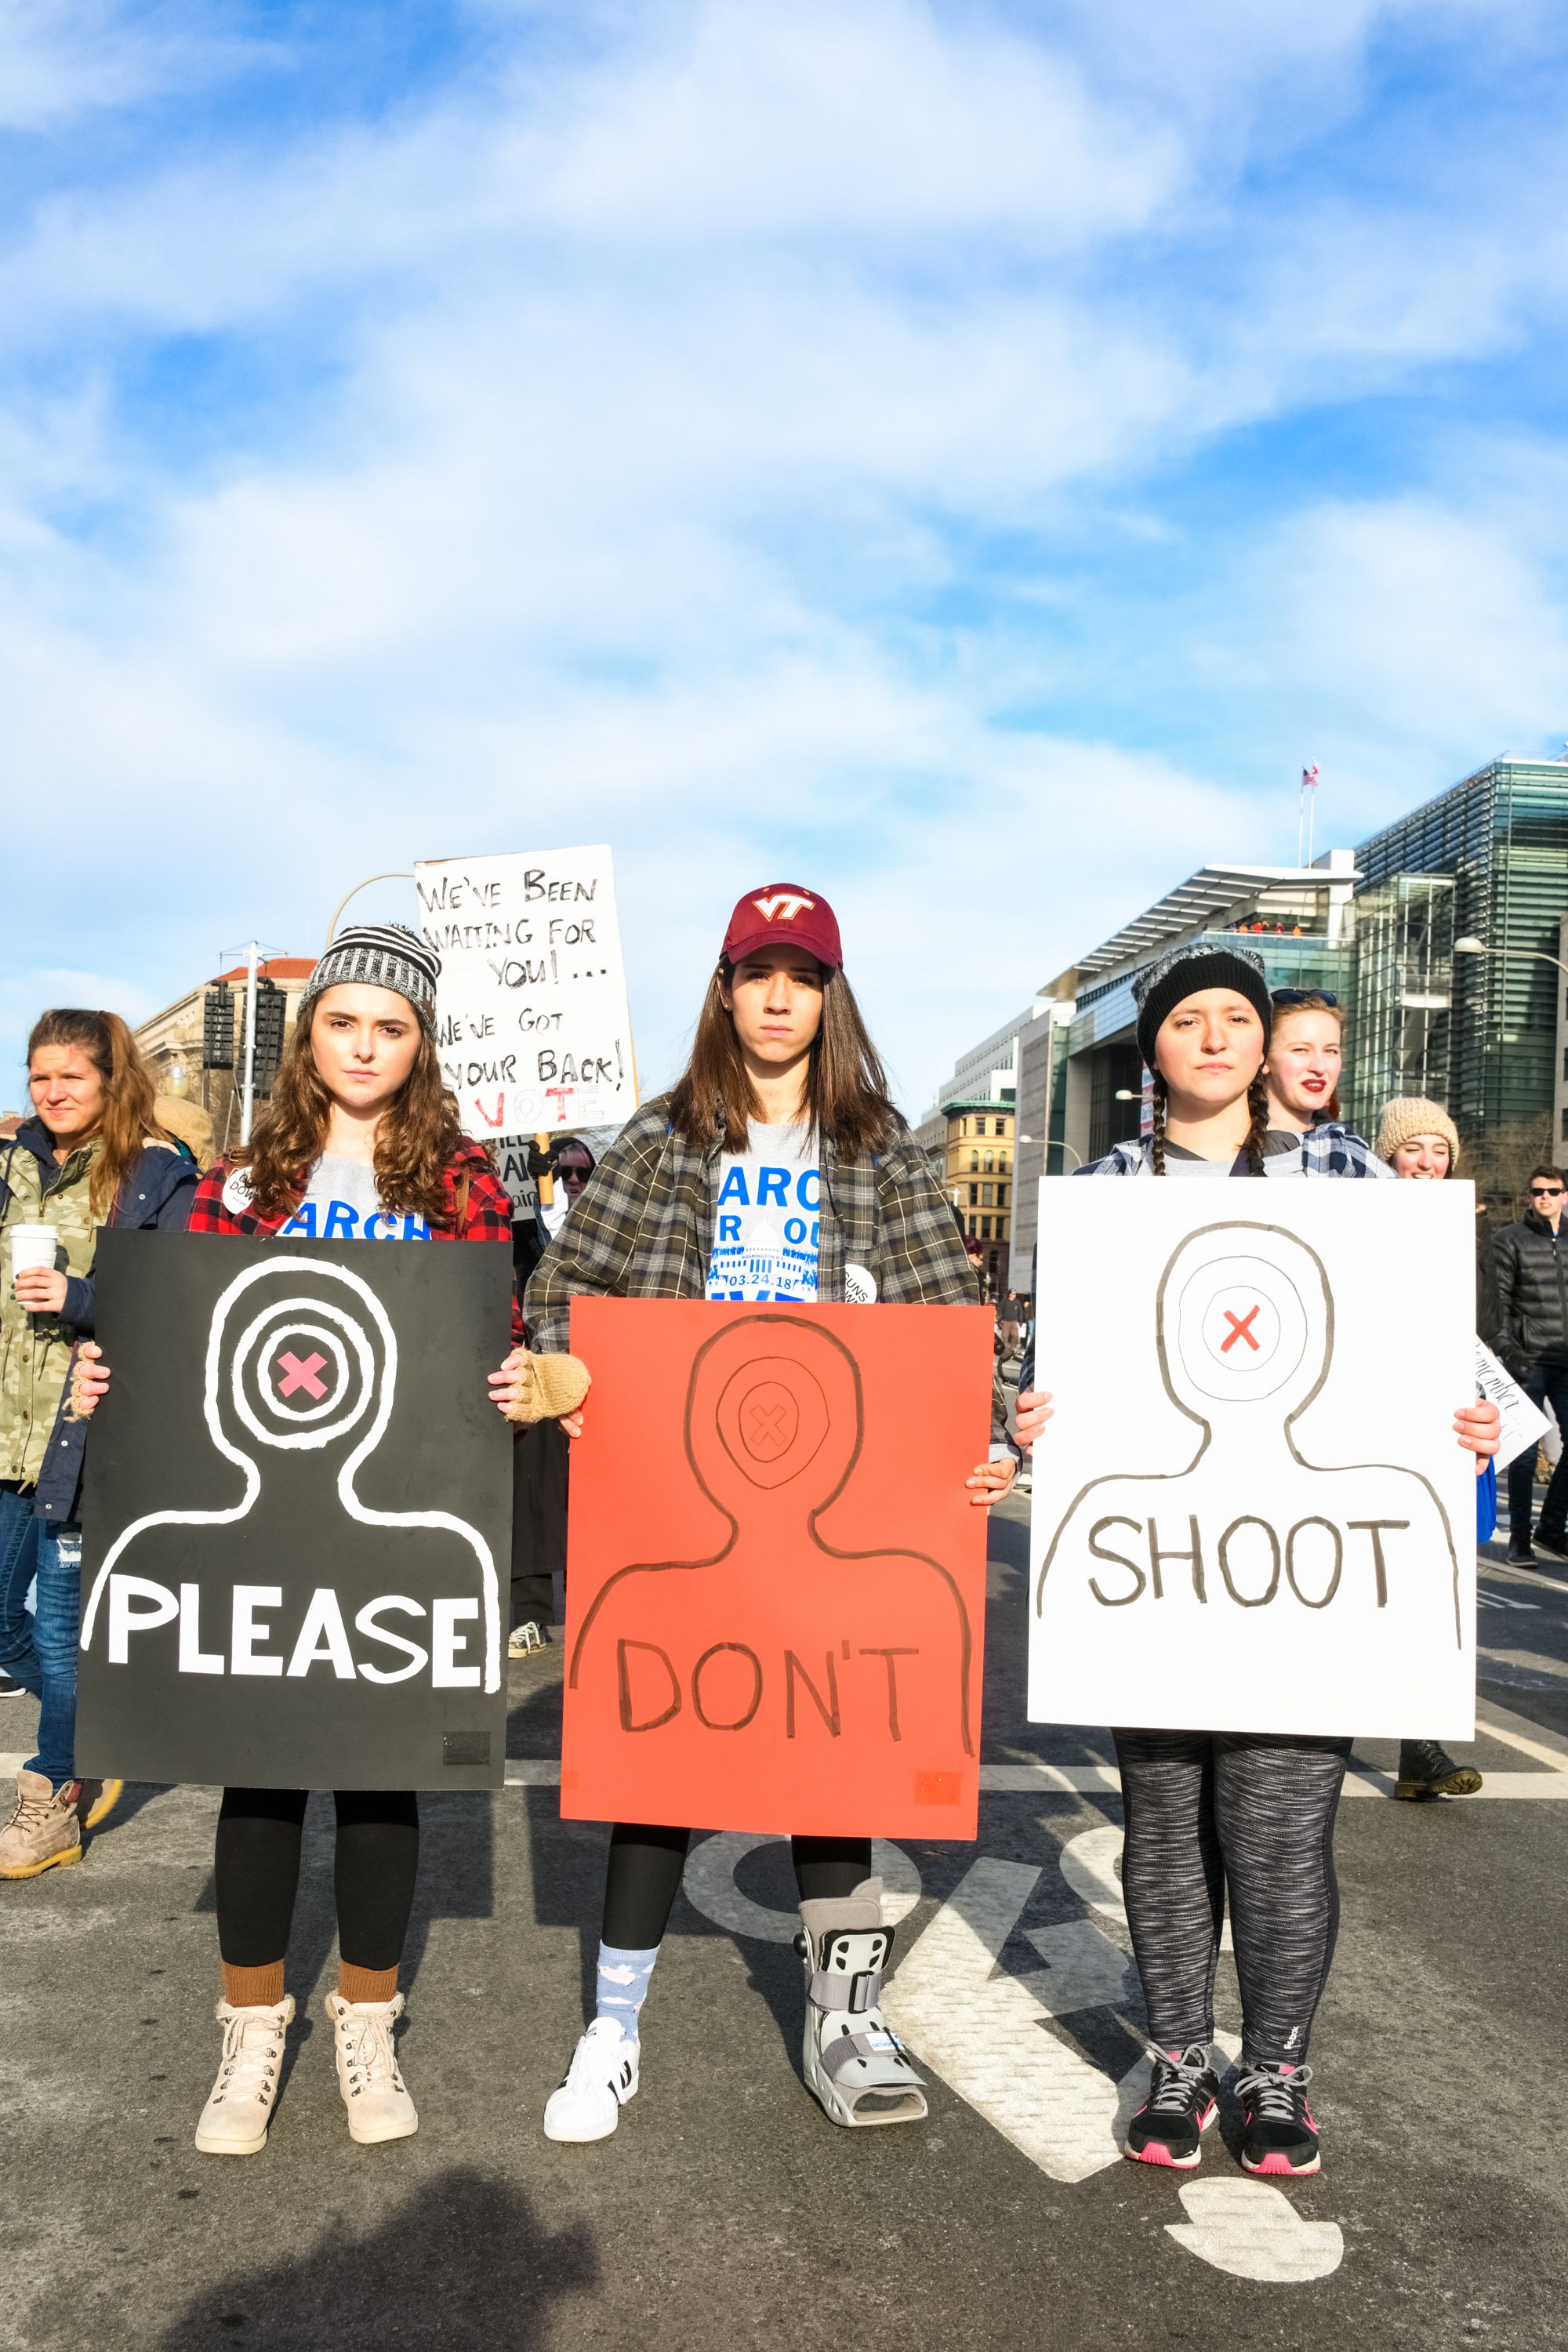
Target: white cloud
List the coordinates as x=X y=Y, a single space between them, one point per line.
x=676 y=443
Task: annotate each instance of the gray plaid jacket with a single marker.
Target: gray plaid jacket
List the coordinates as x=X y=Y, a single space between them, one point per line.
x=643 y=1228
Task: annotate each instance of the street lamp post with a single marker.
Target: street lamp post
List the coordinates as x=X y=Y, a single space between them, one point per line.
x=1520 y=955
x=343 y=902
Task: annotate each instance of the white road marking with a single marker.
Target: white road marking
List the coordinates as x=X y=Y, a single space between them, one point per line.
x=1253 y=2230
x=710 y=1883
x=987 y=2034
x=1526 y=1746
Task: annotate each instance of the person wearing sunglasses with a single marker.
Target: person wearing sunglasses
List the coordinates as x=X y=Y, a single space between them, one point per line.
x=1532 y=1296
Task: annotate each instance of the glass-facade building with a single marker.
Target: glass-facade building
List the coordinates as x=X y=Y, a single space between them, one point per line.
x=1488 y=859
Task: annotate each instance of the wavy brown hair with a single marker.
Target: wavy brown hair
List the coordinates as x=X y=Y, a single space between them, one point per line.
x=845 y=1087
x=128 y=1120
x=416 y=1138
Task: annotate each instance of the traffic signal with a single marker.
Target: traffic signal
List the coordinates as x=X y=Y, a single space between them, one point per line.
x=217 y=1030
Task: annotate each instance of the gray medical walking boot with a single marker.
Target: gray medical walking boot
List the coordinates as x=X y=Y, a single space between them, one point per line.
x=854 y=2064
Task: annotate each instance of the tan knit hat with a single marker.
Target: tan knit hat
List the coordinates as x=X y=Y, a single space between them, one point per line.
x=1408 y=1115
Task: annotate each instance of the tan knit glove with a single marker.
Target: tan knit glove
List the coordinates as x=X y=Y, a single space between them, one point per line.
x=552 y=1385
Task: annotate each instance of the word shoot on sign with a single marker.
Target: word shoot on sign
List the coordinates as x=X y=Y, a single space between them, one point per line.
x=1250 y=1510
x=532 y=1018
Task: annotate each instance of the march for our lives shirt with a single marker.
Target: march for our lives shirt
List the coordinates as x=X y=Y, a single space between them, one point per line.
x=766 y=1238
x=341 y=1204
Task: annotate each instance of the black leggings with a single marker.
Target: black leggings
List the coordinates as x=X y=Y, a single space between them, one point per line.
x=256 y=1865
x=646 y=1861
x=1252 y=1814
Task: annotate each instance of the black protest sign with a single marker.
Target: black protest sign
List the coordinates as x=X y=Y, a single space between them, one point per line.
x=297 y=1515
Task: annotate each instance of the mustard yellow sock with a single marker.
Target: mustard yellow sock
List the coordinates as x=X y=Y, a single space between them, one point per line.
x=252 y=1987
x=365 y=1984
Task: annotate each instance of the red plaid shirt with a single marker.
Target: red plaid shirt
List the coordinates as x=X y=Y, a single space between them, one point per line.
x=486 y=1211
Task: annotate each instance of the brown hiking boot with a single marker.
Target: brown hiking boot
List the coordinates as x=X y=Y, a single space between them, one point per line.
x=44 y=1828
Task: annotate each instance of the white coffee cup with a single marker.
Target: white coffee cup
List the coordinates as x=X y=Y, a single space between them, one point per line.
x=31 y=1245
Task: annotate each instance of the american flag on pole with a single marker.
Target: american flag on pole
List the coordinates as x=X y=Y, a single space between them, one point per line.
x=1310 y=777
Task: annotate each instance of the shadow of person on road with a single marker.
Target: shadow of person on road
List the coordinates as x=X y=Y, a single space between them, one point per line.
x=464 y=2262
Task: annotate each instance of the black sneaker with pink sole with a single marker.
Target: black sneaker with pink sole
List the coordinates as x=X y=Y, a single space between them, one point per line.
x=1183 y=2101
x=1279 y=2131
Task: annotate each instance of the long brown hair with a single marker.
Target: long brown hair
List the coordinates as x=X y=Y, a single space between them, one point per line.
x=417 y=1136
x=128 y=1120
x=846 y=1087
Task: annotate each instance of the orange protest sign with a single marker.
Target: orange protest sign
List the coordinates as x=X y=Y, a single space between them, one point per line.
x=775 y=1577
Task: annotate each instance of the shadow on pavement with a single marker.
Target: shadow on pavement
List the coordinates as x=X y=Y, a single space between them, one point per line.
x=463 y=2264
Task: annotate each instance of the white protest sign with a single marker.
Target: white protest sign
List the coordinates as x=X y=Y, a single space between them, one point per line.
x=531 y=1006
x=1523 y=1423
x=1250 y=1511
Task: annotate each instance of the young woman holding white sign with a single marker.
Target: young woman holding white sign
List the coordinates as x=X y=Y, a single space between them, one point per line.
x=360 y=1142
x=784 y=1103
x=1211 y=1814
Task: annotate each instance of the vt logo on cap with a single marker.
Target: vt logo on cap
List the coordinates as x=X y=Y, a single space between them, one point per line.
x=783 y=906
x=783 y=913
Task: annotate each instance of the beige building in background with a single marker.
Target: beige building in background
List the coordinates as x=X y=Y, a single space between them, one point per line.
x=970 y=1143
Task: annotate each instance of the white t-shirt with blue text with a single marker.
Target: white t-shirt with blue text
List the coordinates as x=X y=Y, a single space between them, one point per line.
x=765 y=1235
x=341 y=1204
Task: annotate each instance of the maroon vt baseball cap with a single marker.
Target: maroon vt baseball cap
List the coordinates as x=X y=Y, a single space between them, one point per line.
x=782 y=914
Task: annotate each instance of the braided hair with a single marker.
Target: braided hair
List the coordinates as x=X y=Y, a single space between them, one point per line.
x=1257 y=1103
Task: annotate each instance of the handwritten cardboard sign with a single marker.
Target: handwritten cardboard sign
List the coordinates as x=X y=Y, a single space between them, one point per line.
x=775 y=1581
x=1250 y=1512
x=531 y=1012
x=297 y=1515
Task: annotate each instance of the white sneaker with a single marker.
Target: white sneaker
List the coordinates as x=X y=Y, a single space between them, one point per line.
x=601 y=2077
x=373 y=2090
x=239 y=2108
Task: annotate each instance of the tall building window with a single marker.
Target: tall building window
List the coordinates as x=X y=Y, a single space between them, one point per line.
x=1001 y=1196
x=985 y=1229
x=972 y=1234
x=985 y=1193
x=974 y=1196
x=974 y=1162
x=990 y=1161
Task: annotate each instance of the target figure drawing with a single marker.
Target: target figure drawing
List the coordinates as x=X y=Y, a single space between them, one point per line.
x=1273 y=1529
x=296 y=1504
x=775 y=1590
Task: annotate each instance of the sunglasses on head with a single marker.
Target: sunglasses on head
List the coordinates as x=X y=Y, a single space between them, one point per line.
x=1284 y=996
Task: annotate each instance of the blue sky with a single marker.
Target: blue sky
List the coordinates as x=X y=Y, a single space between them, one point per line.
x=964 y=457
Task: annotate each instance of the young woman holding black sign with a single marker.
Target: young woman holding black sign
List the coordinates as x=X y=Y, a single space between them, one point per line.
x=1209 y=1814
x=359 y=1141
x=784 y=1109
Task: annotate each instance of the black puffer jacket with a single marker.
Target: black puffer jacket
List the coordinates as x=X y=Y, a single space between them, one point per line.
x=1532 y=1265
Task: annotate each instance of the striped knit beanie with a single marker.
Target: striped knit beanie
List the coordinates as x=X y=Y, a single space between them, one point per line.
x=379 y=955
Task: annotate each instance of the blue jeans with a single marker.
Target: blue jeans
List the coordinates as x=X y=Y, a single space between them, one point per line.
x=1543 y=1383
x=39 y=1649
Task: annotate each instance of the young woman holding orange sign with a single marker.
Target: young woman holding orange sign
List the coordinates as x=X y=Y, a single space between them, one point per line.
x=778 y=1142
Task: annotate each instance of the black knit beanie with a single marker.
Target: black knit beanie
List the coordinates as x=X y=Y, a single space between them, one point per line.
x=1185 y=970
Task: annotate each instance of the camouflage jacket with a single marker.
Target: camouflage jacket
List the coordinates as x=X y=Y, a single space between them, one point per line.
x=643 y=1228
x=36 y=1350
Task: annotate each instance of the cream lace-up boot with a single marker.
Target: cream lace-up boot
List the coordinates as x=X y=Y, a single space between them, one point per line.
x=373 y=2090
x=239 y=2108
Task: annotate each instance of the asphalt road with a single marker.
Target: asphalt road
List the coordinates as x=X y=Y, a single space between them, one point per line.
x=726 y=2211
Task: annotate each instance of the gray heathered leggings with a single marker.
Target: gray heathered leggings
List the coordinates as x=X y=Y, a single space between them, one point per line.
x=1246 y=1812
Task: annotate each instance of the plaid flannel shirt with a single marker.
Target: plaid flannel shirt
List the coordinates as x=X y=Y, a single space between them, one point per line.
x=643 y=1228
x=487 y=1210
x=1331 y=1151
